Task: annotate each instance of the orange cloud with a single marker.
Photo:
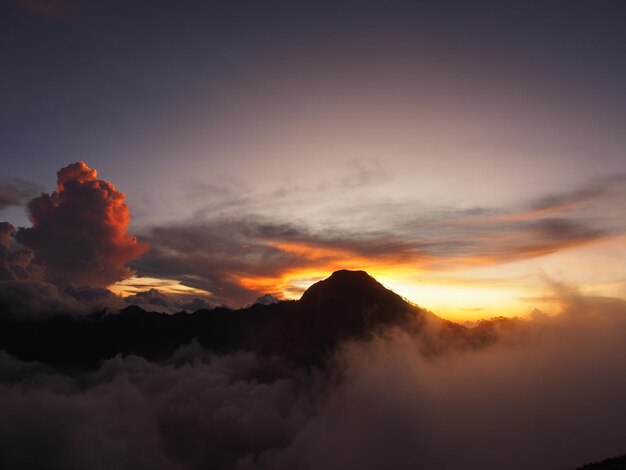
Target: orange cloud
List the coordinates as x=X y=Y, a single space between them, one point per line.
x=312 y=261
x=315 y=262
x=79 y=233
x=238 y=259
x=78 y=171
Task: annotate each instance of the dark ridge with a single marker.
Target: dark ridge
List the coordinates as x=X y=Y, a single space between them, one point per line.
x=347 y=305
x=615 y=463
x=349 y=287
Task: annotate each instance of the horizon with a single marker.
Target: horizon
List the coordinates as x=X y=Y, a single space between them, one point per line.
x=441 y=289
x=158 y=301
x=472 y=166
x=469 y=156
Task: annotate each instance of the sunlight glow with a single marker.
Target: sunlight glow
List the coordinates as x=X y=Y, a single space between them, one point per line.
x=136 y=284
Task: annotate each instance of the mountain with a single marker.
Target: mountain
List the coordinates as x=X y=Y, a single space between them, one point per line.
x=347 y=305
x=354 y=297
x=267 y=299
x=615 y=463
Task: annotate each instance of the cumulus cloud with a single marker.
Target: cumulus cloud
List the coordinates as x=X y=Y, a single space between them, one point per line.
x=15 y=263
x=24 y=293
x=79 y=231
x=77 y=245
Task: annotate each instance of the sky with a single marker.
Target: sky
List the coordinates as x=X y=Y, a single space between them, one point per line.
x=469 y=155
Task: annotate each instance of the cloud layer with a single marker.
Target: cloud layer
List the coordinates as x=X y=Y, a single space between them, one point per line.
x=534 y=401
x=548 y=395
x=242 y=256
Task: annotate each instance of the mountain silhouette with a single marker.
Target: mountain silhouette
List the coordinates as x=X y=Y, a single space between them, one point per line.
x=348 y=305
x=614 y=463
x=347 y=298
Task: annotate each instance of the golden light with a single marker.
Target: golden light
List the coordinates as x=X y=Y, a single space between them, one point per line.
x=136 y=284
x=457 y=289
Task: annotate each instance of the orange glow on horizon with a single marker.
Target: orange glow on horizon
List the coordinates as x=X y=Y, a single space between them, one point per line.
x=457 y=289
x=323 y=261
x=428 y=283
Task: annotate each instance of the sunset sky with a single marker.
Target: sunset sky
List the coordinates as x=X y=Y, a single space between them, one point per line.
x=471 y=156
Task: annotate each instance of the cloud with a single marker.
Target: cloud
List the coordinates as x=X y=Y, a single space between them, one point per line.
x=197 y=411
x=534 y=400
x=548 y=394
x=238 y=253
x=25 y=294
x=365 y=173
x=501 y=242
x=213 y=254
x=15 y=263
x=79 y=231
x=594 y=190
x=153 y=300
x=239 y=259
x=78 y=243
x=38 y=299
x=16 y=191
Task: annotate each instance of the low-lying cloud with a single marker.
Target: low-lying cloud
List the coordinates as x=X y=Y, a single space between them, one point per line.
x=38 y=299
x=154 y=300
x=195 y=412
x=553 y=400
x=548 y=395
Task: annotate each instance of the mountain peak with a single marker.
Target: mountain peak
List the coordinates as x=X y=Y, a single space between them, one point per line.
x=349 y=272
x=267 y=299
x=343 y=275
x=345 y=278
x=349 y=287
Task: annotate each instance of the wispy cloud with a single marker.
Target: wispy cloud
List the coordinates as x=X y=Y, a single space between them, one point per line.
x=16 y=191
x=239 y=257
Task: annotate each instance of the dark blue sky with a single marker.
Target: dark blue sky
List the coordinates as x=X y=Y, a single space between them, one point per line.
x=109 y=82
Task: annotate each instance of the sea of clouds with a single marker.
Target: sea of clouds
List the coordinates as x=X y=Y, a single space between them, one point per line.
x=548 y=395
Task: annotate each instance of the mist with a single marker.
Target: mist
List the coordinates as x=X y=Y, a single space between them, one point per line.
x=548 y=394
